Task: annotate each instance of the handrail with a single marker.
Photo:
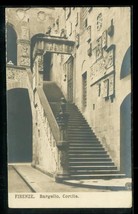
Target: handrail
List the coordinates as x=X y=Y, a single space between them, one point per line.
x=49 y=114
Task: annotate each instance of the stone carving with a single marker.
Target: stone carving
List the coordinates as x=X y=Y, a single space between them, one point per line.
x=105 y=88
x=11 y=74
x=99 y=48
x=25 y=50
x=16 y=74
x=102 y=67
x=110 y=59
x=25 y=61
x=25 y=33
x=68 y=11
x=59 y=48
x=20 y=14
x=63 y=33
x=99 y=21
x=41 y=15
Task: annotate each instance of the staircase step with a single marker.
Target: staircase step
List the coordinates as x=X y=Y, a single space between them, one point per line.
x=88 y=155
x=80 y=129
x=76 y=159
x=77 y=120
x=79 y=124
x=84 y=141
x=86 y=168
x=81 y=134
x=87 y=152
x=80 y=138
x=96 y=176
x=76 y=129
x=91 y=163
x=91 y=172
x=81 y=145
x=86 y=147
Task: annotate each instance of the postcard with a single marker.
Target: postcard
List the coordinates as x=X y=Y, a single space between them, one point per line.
x=68 y=82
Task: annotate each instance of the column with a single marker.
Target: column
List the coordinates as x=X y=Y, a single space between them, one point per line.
x=23 y=53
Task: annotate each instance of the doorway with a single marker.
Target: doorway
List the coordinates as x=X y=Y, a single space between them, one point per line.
x=125 y=135
x=19 y=126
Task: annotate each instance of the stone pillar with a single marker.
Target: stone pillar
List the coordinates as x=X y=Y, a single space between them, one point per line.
x=23 y=53
x=63 y=171
x=62 y=144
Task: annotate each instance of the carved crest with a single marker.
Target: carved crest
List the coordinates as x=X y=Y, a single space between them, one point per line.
x=20 y=13
x=41 y=15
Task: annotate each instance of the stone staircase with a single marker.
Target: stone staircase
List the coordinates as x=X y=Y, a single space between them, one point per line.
x=87 y=158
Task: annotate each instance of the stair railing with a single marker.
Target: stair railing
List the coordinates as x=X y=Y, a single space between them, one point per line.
x=59 y=132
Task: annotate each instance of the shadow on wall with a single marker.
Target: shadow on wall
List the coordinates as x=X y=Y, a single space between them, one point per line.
x=19 y=126
x=126 y=64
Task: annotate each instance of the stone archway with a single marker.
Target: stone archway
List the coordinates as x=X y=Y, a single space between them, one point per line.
x=125 y=136
x=19 y=126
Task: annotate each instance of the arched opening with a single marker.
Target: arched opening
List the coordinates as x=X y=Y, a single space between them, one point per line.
x=126 y=64
x=19 y=126
x=125 y=135
x=11 y=44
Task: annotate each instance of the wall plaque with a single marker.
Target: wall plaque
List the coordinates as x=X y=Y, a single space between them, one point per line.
x=103 y=66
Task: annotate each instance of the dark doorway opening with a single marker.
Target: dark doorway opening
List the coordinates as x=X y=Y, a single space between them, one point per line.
x=19 y=126
x=11 y=45
x=125 y=135
x=47 y=66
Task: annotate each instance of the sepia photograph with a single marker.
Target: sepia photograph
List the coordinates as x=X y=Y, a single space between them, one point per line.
x=68 y=90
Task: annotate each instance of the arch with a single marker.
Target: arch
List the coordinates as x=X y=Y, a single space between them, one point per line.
x=126 y=64
x=11 y=44
x=14 y=85
x=19 y=126
x=125 y=136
